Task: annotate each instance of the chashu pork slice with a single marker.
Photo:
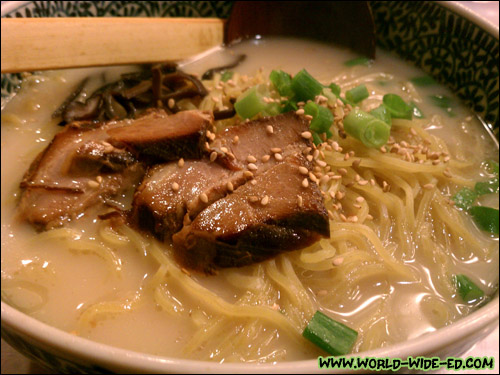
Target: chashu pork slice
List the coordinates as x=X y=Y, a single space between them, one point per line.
x=159 y=137
x=258 y=221
x=169 y=192
x=267 y=137
x=78 y=169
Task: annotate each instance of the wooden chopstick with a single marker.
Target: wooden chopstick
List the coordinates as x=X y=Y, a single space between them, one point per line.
x=29 y=44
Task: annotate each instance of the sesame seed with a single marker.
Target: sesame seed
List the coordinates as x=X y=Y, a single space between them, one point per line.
x=93 y=184
x=303 y=170
x=253 y=182
x=300 y=111
x=342 y=171
x=342 y=216
x=306 y=135
x=330 y=214
x=180 y=163
x=309 y=157
x=266 y=158
x=248 y=174
x=429 y=186
x=413 y=131
x=207 y=146
x=229 y=186
x=447 y=173
x=383 y=149
x=224 y=150
x=346 y=156
x=253 y=199
x=308 y=117
x=175 y=186
x=316 y=154
x=252 y=166
x=336 y=177
x=321 y=163
x=203 y=198
x=275 y=150
x=215 y=99
x=358 y=206
x=231 y=156
x=353 y=219
x=278 y=157
x=251 y=159
x=269 y=129
x=338 y=261
x=236 y=139
x=305 y=182
x=264 y=200
x=363 y=182
x=339 y=195
x=357 y=177
x=213 y=156
x=360 y=199
x=324 y=179
x=98 y=179
x=299 y=201
x=171 y=103
x=307 y=150
x=312 y=177
x=369 y=217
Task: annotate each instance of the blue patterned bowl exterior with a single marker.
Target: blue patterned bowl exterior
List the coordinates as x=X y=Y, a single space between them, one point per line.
x=452 y=49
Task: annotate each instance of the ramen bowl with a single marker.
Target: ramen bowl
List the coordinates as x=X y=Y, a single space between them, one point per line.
x=448 y=42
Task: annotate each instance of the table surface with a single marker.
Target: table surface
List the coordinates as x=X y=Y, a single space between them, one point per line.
x=14 y=363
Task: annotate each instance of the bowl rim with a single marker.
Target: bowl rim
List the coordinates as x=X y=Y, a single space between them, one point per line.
x=113 y=357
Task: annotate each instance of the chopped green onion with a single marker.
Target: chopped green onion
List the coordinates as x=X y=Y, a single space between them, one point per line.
x=397 y=106
x=332 y=98
x=333 y=337
x=305 y=86
x=283 y=82
x=487 y=187
x=423 y=81
x=251 y=103
x=492 y=167
x=382 y=114
x=322 y=117
x=417 y=113
x=358 y=61
x=466 y=288
x=367 y=128
x=486 y=218
x=226 y=76
x=465 y=198
x=357 y=94
x=444 y=102
x=317 y=139
x=335 y=89
x=289 y=106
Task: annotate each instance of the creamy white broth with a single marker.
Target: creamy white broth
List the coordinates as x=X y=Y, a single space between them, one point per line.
x=68 y=282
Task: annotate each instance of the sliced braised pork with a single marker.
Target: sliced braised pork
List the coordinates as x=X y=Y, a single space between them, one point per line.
x=259 y=220
x=158 y=137
x=270 y=137
x=77 y=170
x=169 y=192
